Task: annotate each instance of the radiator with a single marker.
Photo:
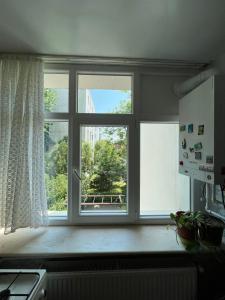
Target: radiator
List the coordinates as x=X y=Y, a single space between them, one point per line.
x=151 y=284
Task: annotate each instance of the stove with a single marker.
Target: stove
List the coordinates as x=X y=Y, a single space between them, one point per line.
x=22 y=284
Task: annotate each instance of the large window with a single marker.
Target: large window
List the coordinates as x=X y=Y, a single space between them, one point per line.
x=102 y=164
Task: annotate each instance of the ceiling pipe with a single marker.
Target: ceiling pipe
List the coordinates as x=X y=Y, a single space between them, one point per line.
x=215 y=67
x=187 y=86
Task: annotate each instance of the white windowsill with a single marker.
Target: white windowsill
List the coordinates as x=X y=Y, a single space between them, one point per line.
x=68 y=241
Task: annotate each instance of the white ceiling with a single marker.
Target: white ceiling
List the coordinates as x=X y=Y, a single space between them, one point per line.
x=154 y=29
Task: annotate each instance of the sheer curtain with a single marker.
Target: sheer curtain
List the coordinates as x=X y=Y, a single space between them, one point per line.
x=22 y=193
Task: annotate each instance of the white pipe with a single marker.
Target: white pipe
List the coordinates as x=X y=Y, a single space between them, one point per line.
x=213 y=213
x=209 y=192
x=187 y=86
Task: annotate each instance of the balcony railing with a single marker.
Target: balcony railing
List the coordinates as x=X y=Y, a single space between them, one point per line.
x=91 y=200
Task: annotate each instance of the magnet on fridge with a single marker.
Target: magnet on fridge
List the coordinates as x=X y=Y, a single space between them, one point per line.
x=200 y=129
x=185 y=155
x=182 y=127
x=184 y=144
x=190 y=128
x=198 y=146
x=191 y=149
x=198 y=155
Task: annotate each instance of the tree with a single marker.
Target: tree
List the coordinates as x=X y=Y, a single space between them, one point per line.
x=109 y=169
x=56 y=191
x=124 y=107
x=56 y=158
x=50 y=97
x=56 y=178
x=104 y=168
x=86 y=167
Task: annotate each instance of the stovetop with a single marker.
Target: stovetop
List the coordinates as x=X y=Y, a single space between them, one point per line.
x=17 y=285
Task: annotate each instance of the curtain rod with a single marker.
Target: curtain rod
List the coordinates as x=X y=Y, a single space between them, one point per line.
x=144 y=62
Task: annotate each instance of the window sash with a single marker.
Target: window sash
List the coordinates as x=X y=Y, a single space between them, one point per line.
x=105 y=217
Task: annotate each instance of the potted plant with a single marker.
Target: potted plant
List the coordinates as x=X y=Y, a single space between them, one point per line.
x=187 y=224
x=210 y=230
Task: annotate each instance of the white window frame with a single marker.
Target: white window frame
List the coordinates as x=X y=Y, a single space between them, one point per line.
x=133 y=122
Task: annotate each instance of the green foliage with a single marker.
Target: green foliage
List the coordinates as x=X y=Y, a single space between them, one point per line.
x=103 y=168
x=56 y=191
x=86 y=168
x=187 y=219
x=50 y=97
x=56 y=158
x=56 y=179
x=124 y=107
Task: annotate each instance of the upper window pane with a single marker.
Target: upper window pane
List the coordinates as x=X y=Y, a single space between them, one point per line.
x=56 y=92
x=162 y=188
x=104 y=94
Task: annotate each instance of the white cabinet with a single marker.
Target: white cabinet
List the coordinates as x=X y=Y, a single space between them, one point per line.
x=202 y=132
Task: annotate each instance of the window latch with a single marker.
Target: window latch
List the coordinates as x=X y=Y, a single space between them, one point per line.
x=76 y=174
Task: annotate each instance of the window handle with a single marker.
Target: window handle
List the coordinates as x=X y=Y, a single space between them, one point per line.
x=76 y=174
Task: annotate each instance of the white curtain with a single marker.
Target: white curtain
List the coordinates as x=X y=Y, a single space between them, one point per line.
x=22 y=193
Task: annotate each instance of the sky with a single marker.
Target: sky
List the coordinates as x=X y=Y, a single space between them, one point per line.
x=107 y=100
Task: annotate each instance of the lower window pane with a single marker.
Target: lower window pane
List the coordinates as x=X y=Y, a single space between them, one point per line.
x=162 y=188
x=104 y=161
x=56 y=160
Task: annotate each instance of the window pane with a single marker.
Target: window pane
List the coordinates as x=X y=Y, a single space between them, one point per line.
x=104 y=160
x=162 y=188
x=104 y=94
x=56 y=92
x=56 y=160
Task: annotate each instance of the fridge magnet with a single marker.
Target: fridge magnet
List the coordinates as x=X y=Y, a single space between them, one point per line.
x=198 y=146
x=182 y=128
x=190 y=128
x=198 y=155
x=184 y=144
x=200 y=129
x=191 y=149
x=185 y=155
x=209 y=159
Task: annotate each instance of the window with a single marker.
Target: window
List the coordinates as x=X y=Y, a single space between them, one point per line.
x=104 y=94
x=56 y=161
x=56 y=92
x=162 y=188
x=104 y=166
x=56 y=95
x=97 y=151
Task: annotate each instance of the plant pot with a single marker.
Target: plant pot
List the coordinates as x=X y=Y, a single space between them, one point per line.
x=211 y=235
x=186 y=233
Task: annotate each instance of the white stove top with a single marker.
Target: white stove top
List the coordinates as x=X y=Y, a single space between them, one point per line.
x=22 y=284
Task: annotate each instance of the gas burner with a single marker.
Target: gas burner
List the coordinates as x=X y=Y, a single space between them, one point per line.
x=22 y=284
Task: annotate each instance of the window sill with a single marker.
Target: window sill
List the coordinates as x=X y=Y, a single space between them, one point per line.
x=77 y=241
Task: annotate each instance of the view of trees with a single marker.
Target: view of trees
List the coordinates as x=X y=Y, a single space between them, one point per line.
x=103 y=165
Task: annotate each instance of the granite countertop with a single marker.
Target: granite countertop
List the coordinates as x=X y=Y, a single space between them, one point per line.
x=67 y=241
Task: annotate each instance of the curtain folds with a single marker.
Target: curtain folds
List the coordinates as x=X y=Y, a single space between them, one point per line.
x=22 y=192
